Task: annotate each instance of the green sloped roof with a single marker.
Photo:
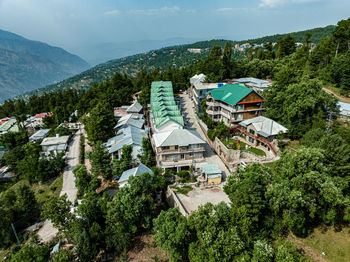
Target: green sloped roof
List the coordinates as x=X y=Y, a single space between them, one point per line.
x=164 y=113
x=162 y=83
x=231 y=93
x=160 y=99
x=162 y=120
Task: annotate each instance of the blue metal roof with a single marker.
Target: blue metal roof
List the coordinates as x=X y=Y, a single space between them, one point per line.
x=141 y=169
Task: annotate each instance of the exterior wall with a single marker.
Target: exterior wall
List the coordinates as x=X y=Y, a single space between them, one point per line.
x=174 y=201
x=216 y=180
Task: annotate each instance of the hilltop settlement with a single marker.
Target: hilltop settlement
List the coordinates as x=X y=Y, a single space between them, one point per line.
x=222 y=160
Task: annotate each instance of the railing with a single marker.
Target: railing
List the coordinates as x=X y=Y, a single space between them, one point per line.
x=261 y=139
x=228 y=108
x=212 y=112
x=181 y=150
x=225 y=114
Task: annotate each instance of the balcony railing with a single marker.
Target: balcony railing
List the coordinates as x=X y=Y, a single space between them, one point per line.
x=212 y=112
x=181 y=150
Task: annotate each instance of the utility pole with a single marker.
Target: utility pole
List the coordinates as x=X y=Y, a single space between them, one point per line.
x=329 y=122
x=14 y=231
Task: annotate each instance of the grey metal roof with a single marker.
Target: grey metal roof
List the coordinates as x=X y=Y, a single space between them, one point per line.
x=141 y=169
x=177 y=137
x=344 y=108
x=135 y=120
x=264 y=126
x=48 y=141
x=134 y=108
x=255 y=82
x=211 y=169
x=197 y=79
x=40 y=134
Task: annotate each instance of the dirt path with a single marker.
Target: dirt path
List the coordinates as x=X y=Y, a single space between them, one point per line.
x=340 y=98
x=48 y=231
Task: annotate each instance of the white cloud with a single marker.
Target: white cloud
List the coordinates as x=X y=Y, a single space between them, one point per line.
x=161 y=11
x=225 y=9
x=277 y=3
x=112 y=12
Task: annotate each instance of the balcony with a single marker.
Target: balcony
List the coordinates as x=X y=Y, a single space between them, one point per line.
x=226 y=115
x=212 y=112
x=228 y=108
x=180 y=150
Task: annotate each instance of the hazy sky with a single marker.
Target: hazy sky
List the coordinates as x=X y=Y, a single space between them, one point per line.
x=74 y=23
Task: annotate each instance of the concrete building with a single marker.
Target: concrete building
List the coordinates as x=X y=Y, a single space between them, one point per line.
x=178 y=148
x=255 y=83
x=262 y=131
x=54 y=145
x=212 y=173
x=233 y=103
x=141 y=169
x=200 y=91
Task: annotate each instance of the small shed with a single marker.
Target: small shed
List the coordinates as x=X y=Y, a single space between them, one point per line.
x=212 y=173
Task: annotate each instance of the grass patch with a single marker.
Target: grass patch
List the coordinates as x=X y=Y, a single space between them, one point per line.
x=232 y=144
x=184 y=190
x=3 y=253
x=257 y=151
x=334 y=243
x=45 y=190
x=292 y=146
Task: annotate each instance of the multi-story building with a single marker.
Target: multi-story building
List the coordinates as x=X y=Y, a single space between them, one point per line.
x=176 y=148
x=200 y=91
x=233 y=103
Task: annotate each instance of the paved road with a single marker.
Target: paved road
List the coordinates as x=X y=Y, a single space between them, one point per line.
x=190 y=116
x=48 y=231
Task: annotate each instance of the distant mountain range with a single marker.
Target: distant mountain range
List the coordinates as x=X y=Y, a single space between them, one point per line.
x=26 y=65
x=178 y=56
x=100 y=53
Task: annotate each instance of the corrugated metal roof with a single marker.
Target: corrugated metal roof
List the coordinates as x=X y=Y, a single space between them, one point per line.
x=264 y=126
x=40 y=134
x=134 y=108
x=197 y=79
x=177 y=137
x=231 y=93
x=141 y=169
x=344 y=108
x=163 y=120
x=211 y=169
x=135 y=120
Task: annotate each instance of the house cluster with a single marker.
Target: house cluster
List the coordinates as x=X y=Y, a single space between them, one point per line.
x=129 y=130
x=238 y=103
x=36 y=121
x=176 y=147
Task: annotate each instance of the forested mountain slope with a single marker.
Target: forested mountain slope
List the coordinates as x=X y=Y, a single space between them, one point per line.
x=26 y=65
x=174 y=56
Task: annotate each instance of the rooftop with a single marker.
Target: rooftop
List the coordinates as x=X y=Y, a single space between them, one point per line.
x=264 y=126
x=231 y=93
x=177 y=137
x=197 y=79
x=255 y=82
x=135 y=120
x=49 y=141
x=211 y=169
x=134 y=108
x=141 y=169
x=40 y=134
x=204 y=86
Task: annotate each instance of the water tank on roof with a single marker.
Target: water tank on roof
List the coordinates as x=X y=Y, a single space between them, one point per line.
x=220 y=84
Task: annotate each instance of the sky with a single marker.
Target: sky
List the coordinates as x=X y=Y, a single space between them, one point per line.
x=77 y=23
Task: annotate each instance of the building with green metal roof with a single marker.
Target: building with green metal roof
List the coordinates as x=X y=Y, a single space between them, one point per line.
x=165 y=112
x=233 y=103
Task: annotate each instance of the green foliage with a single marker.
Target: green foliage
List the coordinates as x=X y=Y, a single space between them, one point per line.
x=296 y=105
x=99 y=125
x=63 y=255
x=100 y=161
x=82 y=179
x=220 y=130
x=31 y=253
x=172 y=233
x=285 y=46
x=147 y=156
x=82 y=149
x=11 y=140
x=57 y=210
x=125 y=162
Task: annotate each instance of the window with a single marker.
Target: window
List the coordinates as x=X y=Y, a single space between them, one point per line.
x=251 y=140
x=240 y=107
x=252 y=131
x=239 y=116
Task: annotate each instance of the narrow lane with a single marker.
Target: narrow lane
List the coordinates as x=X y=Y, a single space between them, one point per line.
x=191 y=118
x=48 y=231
